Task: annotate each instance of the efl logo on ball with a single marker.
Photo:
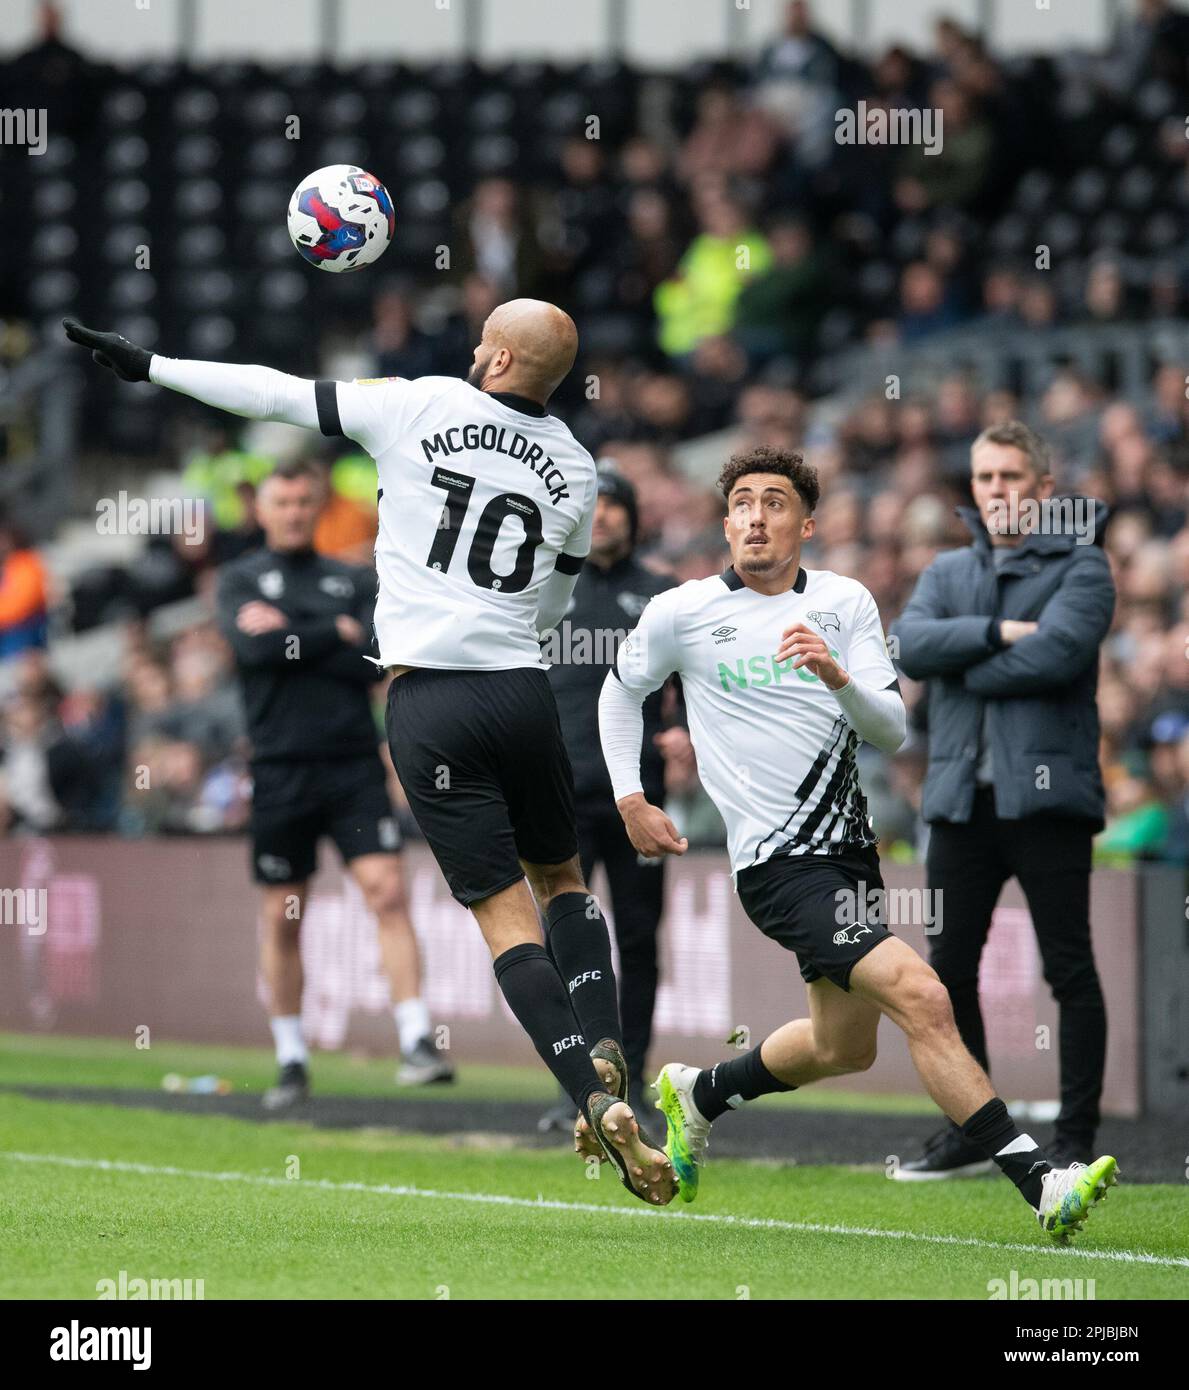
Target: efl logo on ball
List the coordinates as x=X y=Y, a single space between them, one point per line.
x=341 y=218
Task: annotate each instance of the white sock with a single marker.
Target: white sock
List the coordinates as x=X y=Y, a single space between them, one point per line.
x=286 y=1034
x=412 y=1022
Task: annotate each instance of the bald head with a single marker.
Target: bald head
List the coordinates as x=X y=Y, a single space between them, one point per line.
x=528 y=347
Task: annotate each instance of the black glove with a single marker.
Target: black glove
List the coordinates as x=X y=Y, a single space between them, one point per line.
x=129 y=362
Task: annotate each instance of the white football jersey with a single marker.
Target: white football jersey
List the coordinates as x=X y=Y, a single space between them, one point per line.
x=775 y=752
x=479 y=502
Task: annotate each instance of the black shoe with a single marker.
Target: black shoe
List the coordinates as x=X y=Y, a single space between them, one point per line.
x=292 y=1088
x=1066 y=1150
x=947 y=1155
x=425 y=1065
x=642 y=1099
x=560 y=1117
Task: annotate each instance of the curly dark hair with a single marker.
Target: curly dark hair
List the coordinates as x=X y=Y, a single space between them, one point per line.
x=765 y=458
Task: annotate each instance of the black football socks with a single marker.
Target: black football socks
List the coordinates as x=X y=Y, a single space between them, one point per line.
x=730 y=1084
x=537 y=997
x=581 y=946
x=1018 y=1155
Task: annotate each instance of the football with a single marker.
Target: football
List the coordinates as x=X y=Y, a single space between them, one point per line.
x=341 y=218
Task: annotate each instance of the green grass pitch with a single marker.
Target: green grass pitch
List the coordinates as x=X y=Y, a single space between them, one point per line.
x=290 y=1211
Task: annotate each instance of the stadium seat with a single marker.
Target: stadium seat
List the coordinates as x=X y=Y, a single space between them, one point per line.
x=194 y=107
x=53 y=289
x=126 y=197
x=196 y=198
x=127 y=154
x=1087 y=191
x=132 y=289
x=268 y=156
x=423 y=154
x=124 y=107
x=210 y=335
x=196 y=154
x=121 y=241
x=281 y=289
x=53 y=198
x=201 y=244
x=414 y=109
x=58 y=241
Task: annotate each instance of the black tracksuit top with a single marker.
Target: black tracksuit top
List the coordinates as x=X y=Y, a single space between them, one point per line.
x=305 y=691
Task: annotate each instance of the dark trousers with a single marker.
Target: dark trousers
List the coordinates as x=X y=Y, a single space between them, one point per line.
x=637 y=901
x=1050 y=856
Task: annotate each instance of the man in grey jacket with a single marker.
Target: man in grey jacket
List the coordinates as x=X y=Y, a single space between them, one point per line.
x=1006 y=632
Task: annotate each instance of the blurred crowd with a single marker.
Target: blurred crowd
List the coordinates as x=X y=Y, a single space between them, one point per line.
x=709 y=275
x=892 y=474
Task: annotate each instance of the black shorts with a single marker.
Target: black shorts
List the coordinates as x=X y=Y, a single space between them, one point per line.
x=294 y=804
x=820 y=907
x=481 y=757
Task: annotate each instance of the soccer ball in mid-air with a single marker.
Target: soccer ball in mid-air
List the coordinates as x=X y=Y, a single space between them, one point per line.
x=341 y=218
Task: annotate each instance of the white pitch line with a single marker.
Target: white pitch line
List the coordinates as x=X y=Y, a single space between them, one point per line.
x=755 y=1223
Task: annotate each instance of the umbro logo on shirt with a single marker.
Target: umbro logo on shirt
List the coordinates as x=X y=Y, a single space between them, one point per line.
x=723 y=634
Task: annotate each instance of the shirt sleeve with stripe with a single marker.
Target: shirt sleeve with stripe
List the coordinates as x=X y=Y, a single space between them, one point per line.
x=371 y=412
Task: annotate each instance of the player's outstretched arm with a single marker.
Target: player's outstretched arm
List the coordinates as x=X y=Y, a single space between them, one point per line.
x=621 y=732
x=259 y=393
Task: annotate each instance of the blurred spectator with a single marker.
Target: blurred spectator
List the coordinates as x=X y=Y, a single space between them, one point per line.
x=230 y=542
x=582 y=221
x=495 y=237
x=399 y=348
x=349 y=520
x=796 y=81
x=729 y=138
x=699 y=300
x=1151 y=41
x=464 y=327
x=779 y=312
x=923 y=306
x=648 y=253
x=955 y=175
x=1176 y=844
x=48 y=780
x=51 y=75
x=1105 y=292
x=1136 y=821
x=1038 y=304
x=24 y=599
x=220 y=475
